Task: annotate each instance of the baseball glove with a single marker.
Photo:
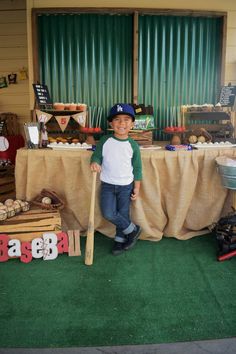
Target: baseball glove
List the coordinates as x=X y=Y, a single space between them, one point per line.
x=54 y=201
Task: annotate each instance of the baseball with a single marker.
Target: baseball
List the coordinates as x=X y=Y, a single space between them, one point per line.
x=3 y=215
x=9 y=202
x=46 y=200
x=4 y=144
x=10 y=212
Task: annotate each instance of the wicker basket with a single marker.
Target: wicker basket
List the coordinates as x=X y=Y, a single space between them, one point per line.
x=57 y=202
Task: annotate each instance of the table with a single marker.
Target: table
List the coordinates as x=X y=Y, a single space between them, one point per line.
x=181 y=192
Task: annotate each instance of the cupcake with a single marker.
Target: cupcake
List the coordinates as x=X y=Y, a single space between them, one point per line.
x=72 y=106
x=67 y=106
x=75 y=141
x=218 y=107
x=205 y=107
x=59 y=106
x=81 y=107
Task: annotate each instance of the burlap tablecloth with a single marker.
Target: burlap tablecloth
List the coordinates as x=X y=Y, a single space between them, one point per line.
x=181 y=192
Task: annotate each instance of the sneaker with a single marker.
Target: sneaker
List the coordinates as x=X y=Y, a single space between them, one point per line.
x=118 y=248
x=132 y=238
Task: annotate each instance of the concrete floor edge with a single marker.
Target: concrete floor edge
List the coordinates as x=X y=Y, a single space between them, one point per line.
x=219 y=346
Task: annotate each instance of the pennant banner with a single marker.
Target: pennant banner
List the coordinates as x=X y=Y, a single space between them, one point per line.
x=62 y=121
x=80 y=118
x=43 y=116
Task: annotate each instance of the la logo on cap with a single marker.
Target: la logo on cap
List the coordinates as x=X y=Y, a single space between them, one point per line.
x=119 y=108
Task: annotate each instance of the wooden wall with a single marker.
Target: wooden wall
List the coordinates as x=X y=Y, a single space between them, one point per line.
x=13 y=57
x=230 y=63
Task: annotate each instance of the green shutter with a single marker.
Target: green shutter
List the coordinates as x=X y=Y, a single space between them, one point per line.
x=179 y=63
x=86 y=58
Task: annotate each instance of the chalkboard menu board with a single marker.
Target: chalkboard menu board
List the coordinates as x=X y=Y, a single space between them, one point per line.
x=227 y=96
x=42 y=95
x=1 y=126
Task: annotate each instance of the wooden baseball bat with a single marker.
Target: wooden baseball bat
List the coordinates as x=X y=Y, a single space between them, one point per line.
x=90 y=233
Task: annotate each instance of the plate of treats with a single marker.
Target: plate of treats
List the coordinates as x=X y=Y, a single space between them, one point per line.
x=215 y=145
x=67 y=146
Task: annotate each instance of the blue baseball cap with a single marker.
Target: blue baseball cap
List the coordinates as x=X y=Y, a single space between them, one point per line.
x=121 y=108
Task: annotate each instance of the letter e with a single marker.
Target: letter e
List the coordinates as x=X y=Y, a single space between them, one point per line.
x=50 y=250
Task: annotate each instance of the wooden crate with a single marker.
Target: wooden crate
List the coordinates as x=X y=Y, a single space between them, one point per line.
x=31 y=224
x=142 y=137
x=7 y=183
x=218 y=124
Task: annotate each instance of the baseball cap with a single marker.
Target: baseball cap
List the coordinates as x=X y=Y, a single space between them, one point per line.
x=121 y=108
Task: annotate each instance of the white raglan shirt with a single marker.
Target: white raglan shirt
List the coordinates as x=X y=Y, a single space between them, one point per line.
x=116 y=163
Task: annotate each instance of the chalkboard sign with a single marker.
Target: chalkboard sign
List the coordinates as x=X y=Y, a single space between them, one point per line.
x=1 y=126
x=227 y=96
x=42 y=95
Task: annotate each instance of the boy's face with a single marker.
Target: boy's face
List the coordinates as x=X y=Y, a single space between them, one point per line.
x=121 y=124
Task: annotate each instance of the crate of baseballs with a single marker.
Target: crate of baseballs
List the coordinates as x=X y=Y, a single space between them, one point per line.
x=197 y=135
x=49 y=200
x=31 y=224
x=11 y=207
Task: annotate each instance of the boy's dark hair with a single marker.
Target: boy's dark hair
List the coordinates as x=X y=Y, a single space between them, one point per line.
x=121 y=108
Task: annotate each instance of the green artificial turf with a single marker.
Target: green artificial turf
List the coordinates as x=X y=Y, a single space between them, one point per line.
x=158 y=292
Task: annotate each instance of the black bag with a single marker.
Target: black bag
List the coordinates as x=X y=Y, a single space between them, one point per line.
x=225 y=230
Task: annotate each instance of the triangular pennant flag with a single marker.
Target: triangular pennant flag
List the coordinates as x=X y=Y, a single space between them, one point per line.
x=62 y=121
x=80 y=118
x=43 y=116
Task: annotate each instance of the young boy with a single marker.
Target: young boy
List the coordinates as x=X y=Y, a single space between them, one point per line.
x=117 y=159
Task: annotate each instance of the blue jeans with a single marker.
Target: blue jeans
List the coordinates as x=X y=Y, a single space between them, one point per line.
x=115 y=206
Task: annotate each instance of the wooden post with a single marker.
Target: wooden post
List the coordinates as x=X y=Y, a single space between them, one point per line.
x=74 y=243
x=135 y=59
x=234 y=199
